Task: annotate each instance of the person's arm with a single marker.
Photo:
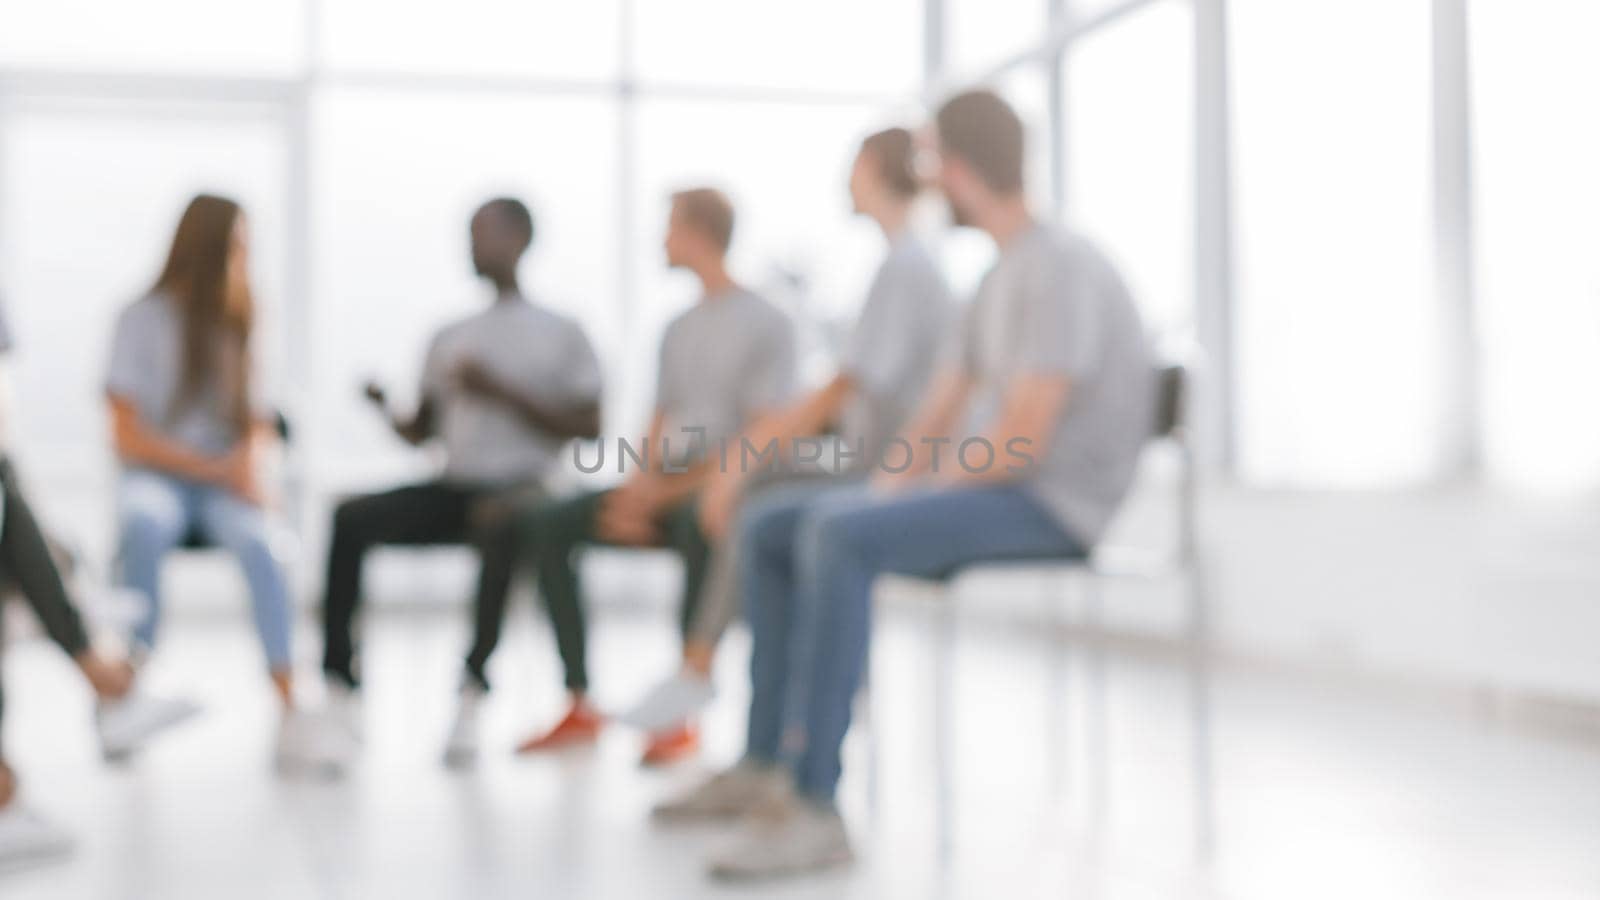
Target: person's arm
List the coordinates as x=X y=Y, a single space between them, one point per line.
x=1032 y=405
x=135 y=442
x=811 y=415
x=416 y=428
x=577 y=421
x=932 y=423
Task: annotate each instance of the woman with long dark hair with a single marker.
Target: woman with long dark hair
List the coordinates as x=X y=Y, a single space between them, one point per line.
x=190 y=430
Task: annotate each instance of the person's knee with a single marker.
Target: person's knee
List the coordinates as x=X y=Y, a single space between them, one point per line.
x=240 y=529
x=768 y=533
x=150 y=525
x=837 y=535
x=352 y=519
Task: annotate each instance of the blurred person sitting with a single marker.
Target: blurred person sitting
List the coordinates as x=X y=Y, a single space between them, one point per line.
x=190 y=429
x=502 y=390
x=886 y=363
x=1043 y=403
x=124 y=718
x=724 y=363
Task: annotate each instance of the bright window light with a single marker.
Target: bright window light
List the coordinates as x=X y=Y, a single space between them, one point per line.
x=1538 y=239
x=1336 y=317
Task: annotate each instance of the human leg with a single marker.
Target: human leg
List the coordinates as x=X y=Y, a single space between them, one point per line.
x=153 y=512
x=928 y=534
x=432 y=512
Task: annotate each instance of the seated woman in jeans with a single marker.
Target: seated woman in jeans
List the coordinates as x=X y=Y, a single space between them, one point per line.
x=189 y=432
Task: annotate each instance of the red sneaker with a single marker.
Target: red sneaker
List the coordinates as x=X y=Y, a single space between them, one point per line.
x=671 y=746
x=581 y=725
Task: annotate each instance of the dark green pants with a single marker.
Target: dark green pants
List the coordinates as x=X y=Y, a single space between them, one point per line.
x=551 y=532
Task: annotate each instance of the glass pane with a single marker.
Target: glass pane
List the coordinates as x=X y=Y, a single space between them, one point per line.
x=92 y=196
x=398 y=176
x=785 y=167
x=1537 y=140
x=485 y=37
x=980 y=34
x=1336 y=317
x=255 y=36
x=1028 y=91
x=1130 y=153
x=820 y=45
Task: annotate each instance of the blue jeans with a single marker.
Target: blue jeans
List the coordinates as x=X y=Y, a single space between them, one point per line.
x=155 y=511
x=810 y=558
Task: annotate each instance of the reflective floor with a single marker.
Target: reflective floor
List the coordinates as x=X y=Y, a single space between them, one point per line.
x=1317 y=788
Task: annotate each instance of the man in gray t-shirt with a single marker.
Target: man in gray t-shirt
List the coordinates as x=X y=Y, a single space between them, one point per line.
x=1023 y=448
x=725 y=362
x=502 y=390
x=1052 y=306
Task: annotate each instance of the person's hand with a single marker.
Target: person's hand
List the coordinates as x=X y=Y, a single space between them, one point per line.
x=109 y=679
x=8 y=785
x=719 y=502
x=474 y=378
x=374 y=392
x=239 y=473
x=885 y=483
x=627 y=515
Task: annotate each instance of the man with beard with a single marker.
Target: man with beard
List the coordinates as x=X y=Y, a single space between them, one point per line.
x=1023 y=448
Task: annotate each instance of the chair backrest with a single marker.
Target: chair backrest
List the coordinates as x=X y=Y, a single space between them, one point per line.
x=1172 y=395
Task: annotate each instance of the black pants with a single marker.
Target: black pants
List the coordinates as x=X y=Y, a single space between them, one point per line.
x=27 y=566
x=551 y=532
x=433 y=513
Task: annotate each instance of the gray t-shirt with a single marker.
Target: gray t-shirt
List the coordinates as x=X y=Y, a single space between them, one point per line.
x=724 y=361
x=1053 y=304
x=895 y=345
x=146 y=367
x=528 y=347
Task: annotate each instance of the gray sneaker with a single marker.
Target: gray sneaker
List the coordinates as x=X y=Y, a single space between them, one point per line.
x=805 y=839
x=740 y=791
x=25 y=837
x=126 y=723
x=461 y=747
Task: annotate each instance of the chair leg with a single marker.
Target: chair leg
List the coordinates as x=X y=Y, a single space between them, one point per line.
x=1099 y=727
x=1199 y=665
x=1058 y=695
x=866 y=721
x=942 y=716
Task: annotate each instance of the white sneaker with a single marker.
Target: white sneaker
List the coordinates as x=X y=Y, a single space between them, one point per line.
x=806 y=839
x=345 y=707
x=126 y=723
x=461 y=747
x=26 y=836
x=313 y=745
x=740 y=791
x=672 y=702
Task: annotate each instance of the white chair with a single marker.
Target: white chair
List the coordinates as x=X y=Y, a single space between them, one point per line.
x=1106 y=562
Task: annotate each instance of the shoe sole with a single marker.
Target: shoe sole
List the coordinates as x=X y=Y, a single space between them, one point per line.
x=123 y=749
x=822 y=867
x=20 y=861
x=563 y=744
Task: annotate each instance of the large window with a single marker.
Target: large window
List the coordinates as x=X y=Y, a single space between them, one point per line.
x=258 y=37
x=361 y=135
x=1538 y=239
x=92 y=193
x=1336 y=361
x=1129 y=152
x=524 y=38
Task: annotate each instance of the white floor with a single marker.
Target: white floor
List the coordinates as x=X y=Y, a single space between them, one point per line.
x=1318 y=789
